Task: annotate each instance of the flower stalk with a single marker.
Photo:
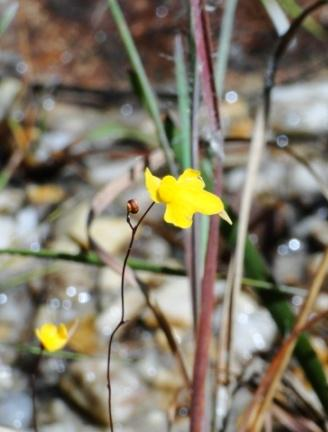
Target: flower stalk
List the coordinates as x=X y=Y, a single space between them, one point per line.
x=121 y=322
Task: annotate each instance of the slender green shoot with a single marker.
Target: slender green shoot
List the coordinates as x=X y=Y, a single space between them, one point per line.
x=148 y=94
x=182 y=151
x=222 y=55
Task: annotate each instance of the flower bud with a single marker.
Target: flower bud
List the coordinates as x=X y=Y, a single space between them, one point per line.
x=132 y=206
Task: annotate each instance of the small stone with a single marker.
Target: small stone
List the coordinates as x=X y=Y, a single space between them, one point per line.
x=7 y=229
x=174 y=300
x=16 y=410
x=9 y=88
x=112 y=233
x=85 y=384
x=300 y=108
x=290 y=268
x=109 y=280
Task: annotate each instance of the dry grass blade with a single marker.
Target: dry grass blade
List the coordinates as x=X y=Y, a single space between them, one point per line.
x=256 y=148
x=266 y=390
x=294 y=424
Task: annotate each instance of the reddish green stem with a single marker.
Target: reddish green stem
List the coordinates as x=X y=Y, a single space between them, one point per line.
x=204 y=327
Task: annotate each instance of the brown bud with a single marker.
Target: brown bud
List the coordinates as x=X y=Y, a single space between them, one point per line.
x=132 y=206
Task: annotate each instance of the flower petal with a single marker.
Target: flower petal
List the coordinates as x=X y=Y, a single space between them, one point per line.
x=152 y=184
x=191 y=179
x=52 y=338
x=178 y=215
x=207 y=203
x=167 y=190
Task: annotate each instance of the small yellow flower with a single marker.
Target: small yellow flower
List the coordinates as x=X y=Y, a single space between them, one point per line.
x=52 y=337
x=183 y=197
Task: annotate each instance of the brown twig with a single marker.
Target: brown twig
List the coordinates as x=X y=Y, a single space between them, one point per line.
x=134 y=229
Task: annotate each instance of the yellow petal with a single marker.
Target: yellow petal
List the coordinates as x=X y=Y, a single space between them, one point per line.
x=178 y=215
x=207 y=203
x=152 y=184
x=168 y=190
x=62 y=331
x=191 y=179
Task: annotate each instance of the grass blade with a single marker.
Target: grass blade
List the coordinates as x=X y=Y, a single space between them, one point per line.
x=222 y=55
x=293 y=9
x=182 y=150
x=148 y=94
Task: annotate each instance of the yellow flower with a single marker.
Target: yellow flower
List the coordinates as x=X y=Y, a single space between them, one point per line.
x=183 y=197
x=52 y=337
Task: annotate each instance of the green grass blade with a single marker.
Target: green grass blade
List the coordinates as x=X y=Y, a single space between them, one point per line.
x=183 y=149
x=293 y=9
x=222 y=55
x=148 y=94
x=115 y=130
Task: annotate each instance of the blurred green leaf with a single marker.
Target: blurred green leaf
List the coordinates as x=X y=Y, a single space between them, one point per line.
x=118 y=131
x=293 y=9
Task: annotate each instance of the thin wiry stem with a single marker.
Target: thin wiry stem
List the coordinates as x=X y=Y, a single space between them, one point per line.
x=33 y=389
x=134 y=229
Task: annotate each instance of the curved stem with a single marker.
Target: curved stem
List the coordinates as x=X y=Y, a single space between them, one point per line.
x=122 y=319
